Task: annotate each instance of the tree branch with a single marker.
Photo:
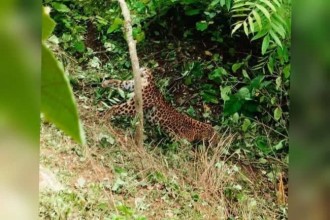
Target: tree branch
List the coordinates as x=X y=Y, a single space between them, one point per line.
x=136 y=71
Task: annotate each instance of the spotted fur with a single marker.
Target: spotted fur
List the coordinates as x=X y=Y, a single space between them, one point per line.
x=160 y=112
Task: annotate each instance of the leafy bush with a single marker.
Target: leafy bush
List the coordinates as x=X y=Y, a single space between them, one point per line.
x=235 y=56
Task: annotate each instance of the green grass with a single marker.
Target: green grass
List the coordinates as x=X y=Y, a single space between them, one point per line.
x=110 y=178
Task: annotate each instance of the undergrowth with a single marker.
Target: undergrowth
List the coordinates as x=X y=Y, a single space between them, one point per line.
x=211 y=62
x=111 y=178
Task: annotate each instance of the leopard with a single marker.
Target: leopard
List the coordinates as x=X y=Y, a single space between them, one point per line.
x=160 y=112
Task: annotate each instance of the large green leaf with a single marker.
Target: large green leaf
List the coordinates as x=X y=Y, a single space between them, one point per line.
x=47 y=24
x=57 y=102
x=244 y=93
x=116 y=24
x=233 y=105
x=201 y=26
x=61 y=7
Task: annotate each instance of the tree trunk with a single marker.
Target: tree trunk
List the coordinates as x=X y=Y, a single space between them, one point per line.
x=136 y=71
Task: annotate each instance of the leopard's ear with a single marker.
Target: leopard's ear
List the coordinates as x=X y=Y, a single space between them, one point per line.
x=142 y=71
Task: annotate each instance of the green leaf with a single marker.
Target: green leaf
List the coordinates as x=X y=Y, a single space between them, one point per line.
x=246 y=124
x=48 y=24
x=263 y=10
x=250 y=19
x=191 y=11
x=232 y=106
x=260 y=34
x=217 y=74
x=279 y=146
x=245 y=27
x=138 y=34
x=57 y=101
x=235 y=117
x=269 y=4
x=277 y=3
x=278 y=28
x=256 y=82
x=277 y=113
x=275 y=38
x=270 y=65
x=224 y=91
x=278 y=82
x=116 y=24
x=121 y=93
x=236 y=5
x=265 y=44
x=238 y=25
x=261 y=143
x=222 y=3
x=210 y=98
x=287 y=71
x=258 y=19
x=245 y=74
x=236 y=66
x=244 y=93
x=228 y=4
x=201 y=26
x=60 y=7
x=79 y=46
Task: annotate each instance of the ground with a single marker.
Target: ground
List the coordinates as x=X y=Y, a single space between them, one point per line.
x=110 y=178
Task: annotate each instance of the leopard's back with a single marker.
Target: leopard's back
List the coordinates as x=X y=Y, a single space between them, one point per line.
x=159 y=111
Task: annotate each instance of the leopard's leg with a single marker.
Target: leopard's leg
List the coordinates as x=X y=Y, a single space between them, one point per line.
x=154 y=117
x=123 y=84
x=127 y=108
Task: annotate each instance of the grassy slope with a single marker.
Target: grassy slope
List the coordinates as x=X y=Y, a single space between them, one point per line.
x=112 y=179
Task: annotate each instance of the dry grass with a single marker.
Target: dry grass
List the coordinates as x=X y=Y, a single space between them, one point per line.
x=200 y=183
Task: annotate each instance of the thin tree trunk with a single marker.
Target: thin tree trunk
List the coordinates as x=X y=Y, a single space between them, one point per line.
x=136 y=71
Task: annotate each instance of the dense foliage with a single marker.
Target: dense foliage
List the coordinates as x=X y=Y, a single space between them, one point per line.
x=222 y=61
x=242 y=58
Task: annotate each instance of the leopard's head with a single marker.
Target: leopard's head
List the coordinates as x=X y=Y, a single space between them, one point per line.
x=146 y=76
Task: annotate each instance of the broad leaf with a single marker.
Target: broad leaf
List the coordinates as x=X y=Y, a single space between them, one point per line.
x=232 y=106
x=236 y=66
x=201 y=26
x=224 y=93
x=57 y=102
x=116 y=24
x=79 y=46
x=244 y=93
x=277 y=113
x=261 y=143
x=48 y=24
x=61 y=7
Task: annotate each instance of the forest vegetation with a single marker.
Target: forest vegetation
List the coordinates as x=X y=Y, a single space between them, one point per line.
x=223 y=62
